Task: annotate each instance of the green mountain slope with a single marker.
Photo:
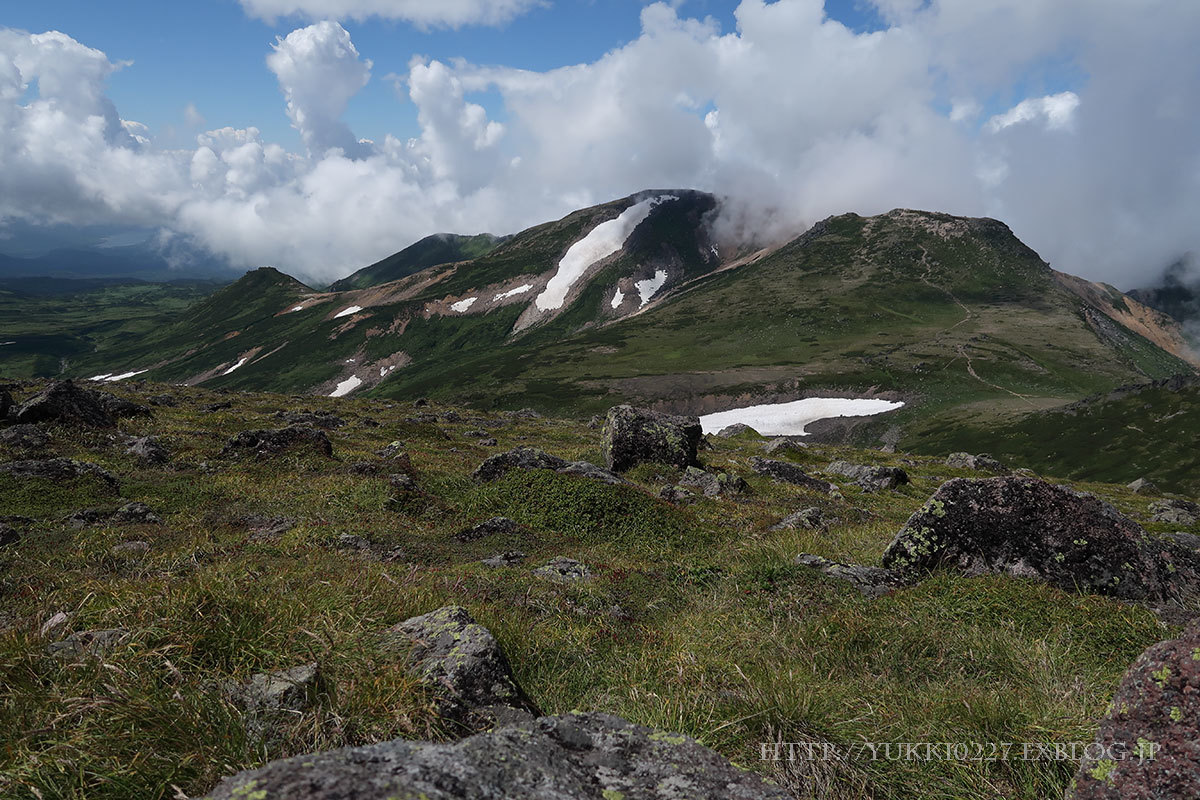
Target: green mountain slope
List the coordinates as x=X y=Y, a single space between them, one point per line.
x=441 y=248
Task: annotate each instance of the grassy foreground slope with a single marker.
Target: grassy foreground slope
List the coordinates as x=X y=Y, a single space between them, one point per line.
x=697 y=621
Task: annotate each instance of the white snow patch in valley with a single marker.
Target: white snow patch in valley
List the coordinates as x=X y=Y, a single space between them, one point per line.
x=297 y=308
x=603 y=240
x=618 y=298
x=2 y=344
x=790 y=419
x=383 y=371
x=347 y=386
x=103 y=377
x=462 y=305
x=648 y=287
x=513 y=292
x=235 y=366
x=121 y=377
x=348 y=311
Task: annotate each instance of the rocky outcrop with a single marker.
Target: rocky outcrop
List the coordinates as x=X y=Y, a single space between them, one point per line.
x=782 y=446
x=1149 y=744
x=982 y=462
x=564 y=570
x=1030 y=529
x=149 y=450
x=871 y=581
x=87 y=643
x=491 y=527
x=633 y=436
x=316 y=419
x=1142 y=486
x=736 y=429
x=267 y=443
x=806 y=518
x=499 y=465
x=1175 y=512
x=710 y=484
x=59 y=469
x=66 y=404
x=577 y=756
x=869 y=478
x=29 y=438
x=464 y=664
x=784 y=472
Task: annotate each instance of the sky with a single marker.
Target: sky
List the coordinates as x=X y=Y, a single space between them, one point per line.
x=321 y=135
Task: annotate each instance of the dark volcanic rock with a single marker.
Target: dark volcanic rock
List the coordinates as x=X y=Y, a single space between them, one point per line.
x=871 y=479
x=149 y=450
x=120 y=408
x=464 y=663
x=491 y=527
x=58 y=469
x=782 y=446
x=265 y=443
x=871 y=581
x=783 y=472
x=1028 y=528
x=67 y=404
x=721 y=484
x=575 y=757
x=982 y=462
x=317 y=419
x=736 y=429
x=1175 y=512
x=1148 y=746
x=501 y=464
x=25 y=437
x=634 y=435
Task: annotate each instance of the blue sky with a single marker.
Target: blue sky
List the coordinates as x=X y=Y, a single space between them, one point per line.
x=212 y=54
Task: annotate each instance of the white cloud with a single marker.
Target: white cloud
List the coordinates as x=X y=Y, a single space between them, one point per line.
x=423 y=13
x=790 y=117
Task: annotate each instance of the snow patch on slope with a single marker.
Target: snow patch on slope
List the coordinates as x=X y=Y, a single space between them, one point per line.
x=347 y=386
x=618 y=298
x=603 y=240
x=513 y=292
x=790 y=419
x=650 y=286
x=462 y=305
x=348 y=311
x=235 y=366
x=111 y=378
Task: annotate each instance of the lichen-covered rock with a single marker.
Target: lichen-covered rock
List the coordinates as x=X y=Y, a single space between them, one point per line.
x=982 y=462
x=282 y=690
x=149 y=450
x=871 y=581
x=491 y=527
x=1149 y=744
x=1142 y=486
x=583 y=469
x=25 y=437
x=67 y=404
x=1175 y=512
x=807 y=518
x=575 y=757
x=136 y=514
x=463 y=662
x=736 y=429
x=783 y=446
x=870 y=478
x=266 y=443
x=58 y=469
x=634 y=435
x=499 y=465
x=564 y=570
x=509 y=558
x=783 y=472
x=709 y=484
x=1031 y=529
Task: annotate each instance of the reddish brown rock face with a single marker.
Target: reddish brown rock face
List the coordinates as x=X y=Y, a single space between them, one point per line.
x=1153 y=730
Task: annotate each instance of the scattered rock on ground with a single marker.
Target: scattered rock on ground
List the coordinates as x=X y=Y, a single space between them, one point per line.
x=784 y=472
x=578 y=756
x=464 y=663
x=1143 y=486
x=6 y=404
x=870 y=478
x=871 y=581
x=58 y=469
x=1147 y=746
x=136 y=514
x=721 y=484
x=267 y=529
x=25 y=437
x=1030 y=529
x=87 y=643
x=583 y=469
x=491 y=527
x=286 y=689
x=149 y=449
x=65 y=403
x=501 y=464
x=265 y=443
x=807 y=518
x=982 y=462
x=677 y=494
x=509 y=558
x=120 y=408
x=783 y=446
x=1175 y=512
x=1189 y=540
x=564 y=570
x=736 y=429
x=317 y=419
x=129 y=549
x=633 y=436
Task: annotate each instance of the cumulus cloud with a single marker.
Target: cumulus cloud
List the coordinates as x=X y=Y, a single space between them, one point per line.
x=423 y=13
x=790 y=117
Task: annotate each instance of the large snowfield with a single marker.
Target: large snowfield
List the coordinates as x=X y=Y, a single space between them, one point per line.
x=347 y=386
x=790 y=419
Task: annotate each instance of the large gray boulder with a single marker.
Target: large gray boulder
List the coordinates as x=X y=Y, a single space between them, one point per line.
x=1149 y=744
x=870 y=478
x=465 y=666
x=982 y=462
x=871 y=581
x=1175 y=512
x=66 y=403
x=785 y=472
x=267 y=443
x=634 y=435
x=58 y=469
x=527 y=458
x=572 y=757
x=1031 y=529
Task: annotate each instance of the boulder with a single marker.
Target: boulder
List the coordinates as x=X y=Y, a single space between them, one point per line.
x=871 y=581
x=1143 y=486
x=129 y=549
x=499 y=465
x=720 y=484
x=982 y=462
x=1148 y=746
x=149 y=450
x=120 y=408
x=870 y=478
x=1031 y=529
x=67 y=404
x=87 y=643
x=1175 y=512
x=577 y=756
x=564 y=570
x=585 y=470
x=783 y=446
x=736 y=429
x=464 y=664
x=136 y=514
x=491 y=527
x=58 y=469
x=509 y=558
x=282 y=690
x=316 y=419
x=808 y=518
x=25 y=437
x=8 y=535
x=678 y=494
x=784 y=472
x=266 y=443
x=633 y=436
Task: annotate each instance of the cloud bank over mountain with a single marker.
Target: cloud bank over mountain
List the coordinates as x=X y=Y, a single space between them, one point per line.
x=791 y=117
